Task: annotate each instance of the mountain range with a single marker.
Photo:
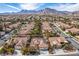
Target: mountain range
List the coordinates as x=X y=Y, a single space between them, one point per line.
x=42 y=11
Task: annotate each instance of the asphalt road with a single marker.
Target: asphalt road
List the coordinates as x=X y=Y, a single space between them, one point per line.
x=66 y=36
x=5 y=37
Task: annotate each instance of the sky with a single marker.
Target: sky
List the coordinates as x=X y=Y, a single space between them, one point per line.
x=16 y=7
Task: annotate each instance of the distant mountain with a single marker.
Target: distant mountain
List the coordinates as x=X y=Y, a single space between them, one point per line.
x=75 y=12
x=43 y=11
x=27 y=11
x=47 y=10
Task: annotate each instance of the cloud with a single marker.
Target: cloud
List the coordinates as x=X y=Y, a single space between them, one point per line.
x=66 y=7
x=13 y=7
x=74 y=7
x=61 y=6
x=30 y=6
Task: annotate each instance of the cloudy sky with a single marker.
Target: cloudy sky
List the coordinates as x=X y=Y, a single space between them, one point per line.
x=15 y=7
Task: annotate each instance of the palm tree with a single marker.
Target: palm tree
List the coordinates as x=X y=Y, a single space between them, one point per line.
x=47 y=34
x=8 y=49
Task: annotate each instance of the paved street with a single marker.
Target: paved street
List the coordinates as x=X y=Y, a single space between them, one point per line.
x=68 y=37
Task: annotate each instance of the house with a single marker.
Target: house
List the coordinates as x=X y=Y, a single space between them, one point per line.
x=73 y=30
x=46 y=26
x=38 y=41
x=57 y=41
x=63 y=25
